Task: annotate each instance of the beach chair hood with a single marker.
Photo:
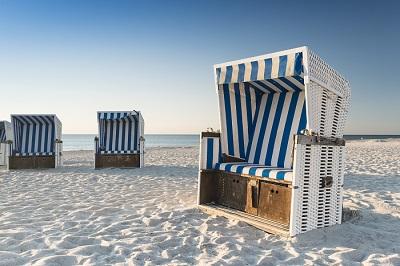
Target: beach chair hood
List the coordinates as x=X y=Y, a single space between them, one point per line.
x=119 y=132
x=35 y=134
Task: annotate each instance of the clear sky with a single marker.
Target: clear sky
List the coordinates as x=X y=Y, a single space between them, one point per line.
x=75 y=57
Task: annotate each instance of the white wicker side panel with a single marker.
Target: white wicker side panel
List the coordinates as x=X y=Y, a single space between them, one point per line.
x=9 y=131
x=141 y=140
x=313 y=104
x=329 y=89
x=342 y=106
x=9 y=148
x=326 y=111
x=3 y=154
x=319 y=70
x=313 y=205
x=338 y=172
x=303 y=209
x=58 y=154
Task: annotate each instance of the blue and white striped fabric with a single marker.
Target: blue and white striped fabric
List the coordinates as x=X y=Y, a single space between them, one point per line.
x=2 y=134
x=119 y=152
x=239 y=104
x=287 y=69
x=257 y=170
x=262 y=106
x=281 y=116
x=210 y=151
x=119 y=132
x=34 y=134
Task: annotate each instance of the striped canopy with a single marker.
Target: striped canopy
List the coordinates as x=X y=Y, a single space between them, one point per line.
x=279 y=73
x=262 y=105
x=119 y=132
x=35 y=134
x=130 y=115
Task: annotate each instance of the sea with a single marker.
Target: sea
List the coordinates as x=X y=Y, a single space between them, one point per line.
x=73 y=142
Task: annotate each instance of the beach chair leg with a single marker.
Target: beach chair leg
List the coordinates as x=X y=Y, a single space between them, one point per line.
x=208 y=187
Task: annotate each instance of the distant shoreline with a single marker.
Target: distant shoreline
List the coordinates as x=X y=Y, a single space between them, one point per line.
x=73 y=142
x=346 y=136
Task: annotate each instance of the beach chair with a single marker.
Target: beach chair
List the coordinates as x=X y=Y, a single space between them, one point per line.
x=278 y=161
x=121 y=140
x=37 y=142
x=6 y=137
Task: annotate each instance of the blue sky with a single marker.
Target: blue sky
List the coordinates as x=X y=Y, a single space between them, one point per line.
x=73 y=58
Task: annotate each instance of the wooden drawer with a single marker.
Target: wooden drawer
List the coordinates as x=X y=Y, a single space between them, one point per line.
x=31 y=162
x=116 y=160
x=274 y=202
x=232 y=191
x=45 y=162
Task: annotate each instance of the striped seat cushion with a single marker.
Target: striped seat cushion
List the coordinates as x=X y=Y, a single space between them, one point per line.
x=119 y=152
x=257 y=170
x=34 y=154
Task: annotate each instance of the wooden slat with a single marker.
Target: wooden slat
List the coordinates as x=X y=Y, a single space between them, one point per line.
x=261 y=223
x=117 y=160
x=32 y=162
x=210 y=134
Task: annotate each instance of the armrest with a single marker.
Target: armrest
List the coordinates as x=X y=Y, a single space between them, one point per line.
x=318 y=140
x=96 y=145
x=231 y=159
x=210 y=150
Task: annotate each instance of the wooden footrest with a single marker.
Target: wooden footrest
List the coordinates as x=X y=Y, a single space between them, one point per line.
x=32 y=162
x=117 y=160
x=256 y=221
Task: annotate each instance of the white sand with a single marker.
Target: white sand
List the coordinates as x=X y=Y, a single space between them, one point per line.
x=77 y=215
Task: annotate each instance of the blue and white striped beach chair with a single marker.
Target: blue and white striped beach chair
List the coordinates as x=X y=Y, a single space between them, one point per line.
x=278 y=161
x=36 y=142
x=6 y=137
x=121 y=139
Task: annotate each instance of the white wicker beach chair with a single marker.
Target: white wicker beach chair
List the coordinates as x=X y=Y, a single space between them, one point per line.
x=6 y=137
x=36 y=142
x=278 y=162
x=121 y=139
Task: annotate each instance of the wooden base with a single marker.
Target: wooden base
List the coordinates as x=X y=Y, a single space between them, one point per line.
x=32 y=162
x=117 y=160
x=260 y=223
x=262 y=202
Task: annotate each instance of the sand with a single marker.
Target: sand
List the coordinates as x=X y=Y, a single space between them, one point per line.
x=76 y=215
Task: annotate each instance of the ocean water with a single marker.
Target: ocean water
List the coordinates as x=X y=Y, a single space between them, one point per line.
x=73 y=142
x=86 y=141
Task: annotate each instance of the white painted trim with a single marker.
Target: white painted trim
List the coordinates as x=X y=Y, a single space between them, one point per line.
x=33 y=115
x=260 y=57
x=200 y=168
